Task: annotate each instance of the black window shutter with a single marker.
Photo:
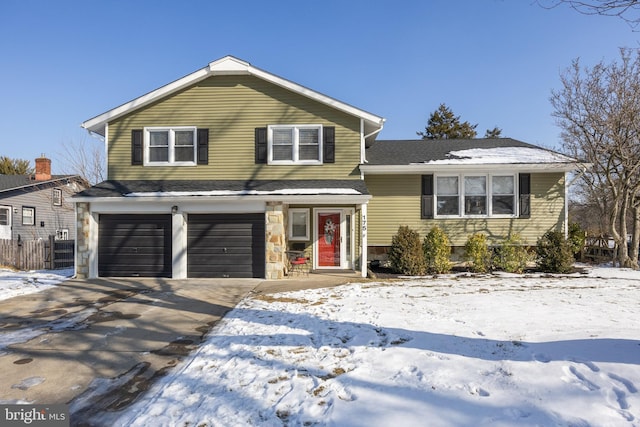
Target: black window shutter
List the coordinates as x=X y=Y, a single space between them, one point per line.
x=524 y=185
x=203 y=146
x=136 y=147
x=261 y=145
x=427 y=197
x=329 y=144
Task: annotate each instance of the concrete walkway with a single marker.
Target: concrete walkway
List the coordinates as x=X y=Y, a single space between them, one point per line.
x=98 y=344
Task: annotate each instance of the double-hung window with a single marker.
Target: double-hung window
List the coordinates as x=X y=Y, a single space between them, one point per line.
x=447 y=196
x=503 y=195
x=295 y=144
x=170 y=146
x=473 y=195
x=28 y=215
x=298 y=224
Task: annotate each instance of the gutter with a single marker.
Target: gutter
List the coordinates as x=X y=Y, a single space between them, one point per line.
x=363 y=141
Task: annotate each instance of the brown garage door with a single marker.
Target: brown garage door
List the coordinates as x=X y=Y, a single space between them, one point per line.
x=134 y=245
x=226 y=245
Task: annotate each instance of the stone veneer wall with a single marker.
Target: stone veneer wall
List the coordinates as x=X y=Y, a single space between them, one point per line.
x=82 y=240
x=275 y=238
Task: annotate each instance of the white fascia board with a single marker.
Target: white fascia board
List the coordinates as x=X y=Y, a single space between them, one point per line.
x=104 y=206
x=224 y=66
x=377 y=121
x=143 y=204
x=430 y=168
x=98 y=123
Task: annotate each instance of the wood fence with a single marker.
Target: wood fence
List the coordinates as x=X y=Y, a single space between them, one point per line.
x=37 y=254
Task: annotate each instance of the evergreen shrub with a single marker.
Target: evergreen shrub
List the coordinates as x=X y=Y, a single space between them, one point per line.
x=405 y=254
x=477 y=253
x=437 y=251
x=512 y=255
x=554 y=253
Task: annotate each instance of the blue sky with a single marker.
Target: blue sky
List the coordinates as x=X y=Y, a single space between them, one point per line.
x=493 y=62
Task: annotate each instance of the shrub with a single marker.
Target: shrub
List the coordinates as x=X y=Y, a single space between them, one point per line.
x=577 y=238
x=476 y=251
x=512 y=255
x=437 y=249
x=406 y=255
x=554 y=253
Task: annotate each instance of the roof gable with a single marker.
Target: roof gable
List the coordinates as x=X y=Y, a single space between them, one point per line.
x=228 y=65
x=17 y=182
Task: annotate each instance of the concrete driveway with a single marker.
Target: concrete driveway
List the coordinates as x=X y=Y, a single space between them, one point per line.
x=98 y=344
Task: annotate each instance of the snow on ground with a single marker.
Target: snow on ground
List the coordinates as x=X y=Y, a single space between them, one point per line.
x=458 y=350
x=14 y=283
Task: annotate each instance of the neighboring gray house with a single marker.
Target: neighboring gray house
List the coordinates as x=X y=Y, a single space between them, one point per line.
x=39 y=205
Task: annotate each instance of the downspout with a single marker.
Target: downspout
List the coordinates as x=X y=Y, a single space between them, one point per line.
x=363 y=158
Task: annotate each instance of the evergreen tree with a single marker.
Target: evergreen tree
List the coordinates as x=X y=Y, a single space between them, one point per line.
x=10 y=166
x=496 y=132
x=443 y=124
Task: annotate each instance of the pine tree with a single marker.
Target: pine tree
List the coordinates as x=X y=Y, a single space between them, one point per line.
x=10 y=166
x=443 y=124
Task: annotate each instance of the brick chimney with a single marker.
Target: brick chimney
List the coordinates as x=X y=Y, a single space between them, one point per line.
x=43 y=168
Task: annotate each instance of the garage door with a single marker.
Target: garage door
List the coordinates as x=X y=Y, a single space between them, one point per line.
x=134 y=245
x=226 y=245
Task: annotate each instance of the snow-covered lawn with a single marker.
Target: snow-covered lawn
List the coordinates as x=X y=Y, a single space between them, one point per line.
x=458 y=350
x=449 y=351
x=14 y=283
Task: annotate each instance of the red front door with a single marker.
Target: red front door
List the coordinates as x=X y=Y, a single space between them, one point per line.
x=328 y=239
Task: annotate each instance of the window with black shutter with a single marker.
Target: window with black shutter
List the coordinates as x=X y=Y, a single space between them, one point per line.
x=136 y=147
x=426 y=211
x=261 y=145
x=329 y=144
x=524 y=186
x=203 y=146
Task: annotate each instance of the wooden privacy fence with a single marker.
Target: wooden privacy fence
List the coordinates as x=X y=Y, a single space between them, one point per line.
x=37 y=254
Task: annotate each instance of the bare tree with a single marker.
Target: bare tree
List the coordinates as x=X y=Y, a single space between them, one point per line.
x=628 y=10
x=84 y=158
x=597 y=110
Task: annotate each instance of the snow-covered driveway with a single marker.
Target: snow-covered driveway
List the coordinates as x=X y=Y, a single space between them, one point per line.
x=450 y=351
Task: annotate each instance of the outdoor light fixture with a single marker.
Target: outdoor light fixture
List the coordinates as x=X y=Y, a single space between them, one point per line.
x=174 y=209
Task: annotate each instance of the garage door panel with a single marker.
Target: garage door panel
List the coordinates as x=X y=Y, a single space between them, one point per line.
x=225 y=245
x=134 y=245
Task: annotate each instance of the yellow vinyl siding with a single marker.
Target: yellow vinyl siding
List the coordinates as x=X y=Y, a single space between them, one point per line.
x=396 y=201
x=231 y=107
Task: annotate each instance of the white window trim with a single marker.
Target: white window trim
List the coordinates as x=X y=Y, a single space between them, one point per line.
x=489 y=195
x=32 y=216
x=306 y=237
x=295 y=148
x=56 y=197
x=171 y=130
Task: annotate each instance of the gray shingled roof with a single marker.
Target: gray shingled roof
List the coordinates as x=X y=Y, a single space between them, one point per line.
x=14 y=182
x=121 y=188
x=404 y=152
